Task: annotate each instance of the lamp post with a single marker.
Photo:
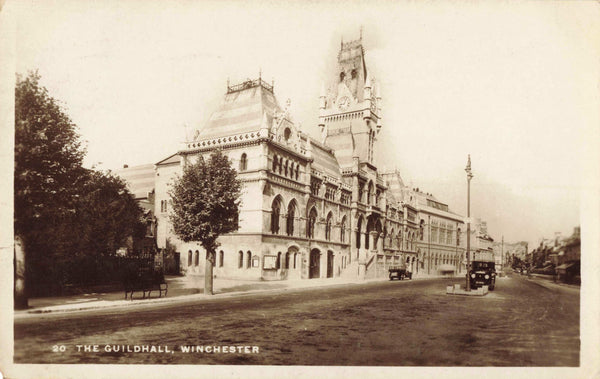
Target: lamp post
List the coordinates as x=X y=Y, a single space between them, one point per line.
x=469 y=177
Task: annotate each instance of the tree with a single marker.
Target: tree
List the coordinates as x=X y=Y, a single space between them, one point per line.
x=205 y=204
x=48 y=157
x=67 y=219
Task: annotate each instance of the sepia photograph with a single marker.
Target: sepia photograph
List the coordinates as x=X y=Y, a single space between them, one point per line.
x=290 y=189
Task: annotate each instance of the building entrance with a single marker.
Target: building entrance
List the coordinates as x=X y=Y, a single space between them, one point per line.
x=315 y=261
x=330 y=264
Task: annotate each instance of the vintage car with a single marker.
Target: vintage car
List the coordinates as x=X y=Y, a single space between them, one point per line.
x=482 y=273
x=399 y=272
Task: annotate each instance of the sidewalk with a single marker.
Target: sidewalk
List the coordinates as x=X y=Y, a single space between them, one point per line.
x=181 y=288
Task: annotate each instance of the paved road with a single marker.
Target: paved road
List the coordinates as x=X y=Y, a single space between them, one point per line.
x=410 y=323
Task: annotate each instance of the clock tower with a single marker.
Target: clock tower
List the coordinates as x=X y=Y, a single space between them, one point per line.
x=349 y=115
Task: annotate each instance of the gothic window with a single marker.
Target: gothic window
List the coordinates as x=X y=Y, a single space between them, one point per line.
x=189 y=258
x=285 y=168
x=343 y=230
x=315 y=184
x=312 y=219
x=291 y=214
x=280 y=165
x=244 y=162
x=221 y=254
x=328 y=226
x=297 y=172
x=196 y=258
x=240 y=259
x=275 y=161
x=330 y=193
x=275 y=212
x=248 y=259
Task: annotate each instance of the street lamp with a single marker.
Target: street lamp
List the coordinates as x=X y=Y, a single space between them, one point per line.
x=469 y=177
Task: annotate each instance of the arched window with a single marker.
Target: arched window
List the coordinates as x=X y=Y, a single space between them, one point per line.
x=287 y=260
x=244 y=162
x=275 y=161
x=248 y=259
x=221 y=254
x=189 y=258
x=312 y=219
x=240 y=259
x=328 y=226
x=278 y=262
x=275 y=212
x=343 y=230
x=286 y=134
x=196 y=258
x=295 y=256
x=291 y=214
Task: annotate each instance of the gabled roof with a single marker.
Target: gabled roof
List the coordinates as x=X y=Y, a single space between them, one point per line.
x=242 y=110
x=173 y=158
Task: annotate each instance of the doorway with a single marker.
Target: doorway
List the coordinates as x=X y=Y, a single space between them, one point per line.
x=330 y=264
x=315 y=260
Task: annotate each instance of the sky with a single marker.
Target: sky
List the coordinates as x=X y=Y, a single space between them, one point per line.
x=513 y=84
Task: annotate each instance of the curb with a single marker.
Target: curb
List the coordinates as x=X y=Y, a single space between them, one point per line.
x=194 y=297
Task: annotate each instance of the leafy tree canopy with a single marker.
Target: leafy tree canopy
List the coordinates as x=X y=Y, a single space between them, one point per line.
x=205 y=201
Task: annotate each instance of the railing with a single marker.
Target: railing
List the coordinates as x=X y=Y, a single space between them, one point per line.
x=249 y=84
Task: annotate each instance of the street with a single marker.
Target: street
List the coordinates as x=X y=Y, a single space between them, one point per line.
x=408 y=323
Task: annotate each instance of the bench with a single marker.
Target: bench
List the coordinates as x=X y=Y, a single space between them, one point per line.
x=146 y=282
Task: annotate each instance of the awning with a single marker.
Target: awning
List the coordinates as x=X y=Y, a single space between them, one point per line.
x=565 y=266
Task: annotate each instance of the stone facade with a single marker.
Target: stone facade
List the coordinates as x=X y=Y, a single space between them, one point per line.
x=311 y=208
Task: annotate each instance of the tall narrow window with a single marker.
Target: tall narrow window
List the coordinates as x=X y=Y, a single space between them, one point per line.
x=312 y=219
x=291 y=214
x=244 y=162
x=240 y=259
x=343 y=230
x=221 y=254
x=278 y=261
x=358 y=228
x=275 y=212
x=328 y=226
x=196 y=258
x=295 y=256
x=287 y=260
x=275 y=161
x=248 y=259
x=189 y=258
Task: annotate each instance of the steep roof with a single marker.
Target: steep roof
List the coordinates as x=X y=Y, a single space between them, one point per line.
x=242 y=110
x=324 y=160
x=139 y=179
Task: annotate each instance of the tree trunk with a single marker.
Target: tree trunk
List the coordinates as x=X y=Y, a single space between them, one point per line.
x=208 y=273
x=20 y=294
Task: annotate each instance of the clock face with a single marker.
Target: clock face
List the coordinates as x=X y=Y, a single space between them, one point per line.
x=343 y=102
